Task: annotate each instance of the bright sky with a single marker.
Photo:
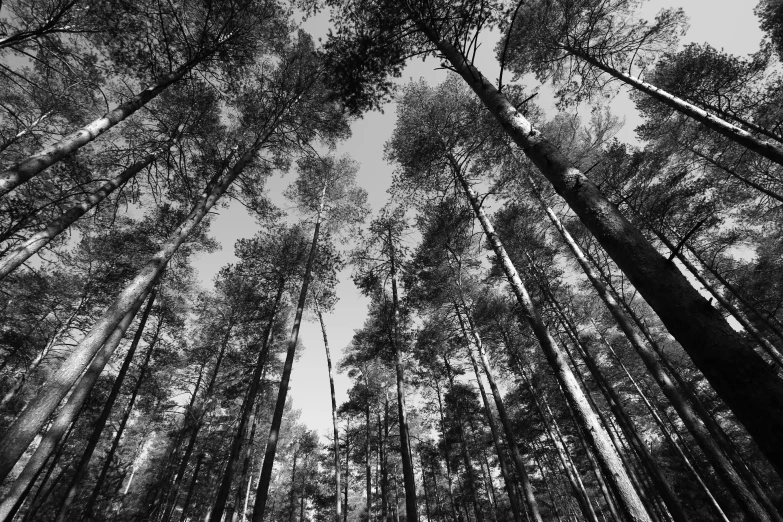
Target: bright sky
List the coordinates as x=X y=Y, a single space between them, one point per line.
x=727 y=24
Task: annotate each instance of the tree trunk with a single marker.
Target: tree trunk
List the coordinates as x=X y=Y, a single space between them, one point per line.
x=67 y=415
x=739 y=376
x=632 y=435
x=409 y=481
x=192 y=487
x=347 y=469
x=605 y=450
x=508 y=481
x=382 y=437
x=100 y=422
x=224 y=490
x=670 y=438
x=19 y=435
x=334 y=421
x=446 y=452
x=772 y=151
x=424 y=486
x=504 y=419
x=367 y=464
x=548 y=488
x=717 y=458
x=277 y=417
x=565 y=460
x=48 y=156
x=770 y=349
x=466 y=461
x=25 y=250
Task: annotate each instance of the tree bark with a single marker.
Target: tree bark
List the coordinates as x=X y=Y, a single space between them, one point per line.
x=469 y=471
x=173 y=493
x=48 y=156
x=25 y=250
x=739 y=376
x=447 y=453
x=772 y=151
x=31 y=420
x=717 y=458
x=67 y=415
x=277 y=416
x=409 y=481
x=192 y=487
x=632 y=435
x=597 y=435
x=513 y=447
x=88 y=508
x=100 y=422
x=334 y=421
x=224 y=490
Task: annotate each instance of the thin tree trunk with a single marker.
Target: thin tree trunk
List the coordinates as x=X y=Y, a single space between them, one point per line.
x=522 y=475
x=224 y=490
x=769 y=348
x=277 y=417
x=548 y=488
x=382 y=436
x=508 y=481
x=424 y=485
x=19 y=435
x=25 y=250
x=48 y=156
x=739 y=376
x=613 y=400
x=594 y=465
x=712 y=425
x=713 y=452
x=347 y=469
x=605 y=450
x=192 y=487
x=292 y=500
x=67 y=415
x=172 y=495
x=669 y=437
x=466 y=460
x=447 y=453
x=367 y=464
x=770 y=150
x=100 y=422
x=334 y=420
x=409 y=481
x=565 y=460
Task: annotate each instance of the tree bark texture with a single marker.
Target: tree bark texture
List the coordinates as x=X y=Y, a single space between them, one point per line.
x=739 y=376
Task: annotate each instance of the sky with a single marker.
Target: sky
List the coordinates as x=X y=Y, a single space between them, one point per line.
x=725 y=24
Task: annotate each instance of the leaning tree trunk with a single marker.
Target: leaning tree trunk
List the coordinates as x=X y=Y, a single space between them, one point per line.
x=570 y=468
x=470 y=473
x=507 y=480
x=48 y=156
x=334 y=420
x=605 y=450
x=720 y=462
x=65 y=417
x=770 y=349
x=170 y=497
x=446 y=452
x=277 y=417
x=100 y=422
x=409 y=480
x=19 y=435
x=25 y=250
x=631 y=434
x=772 y=151
x=236 y=446
x=504 y=419
x=739 y=376
x=88 y=508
